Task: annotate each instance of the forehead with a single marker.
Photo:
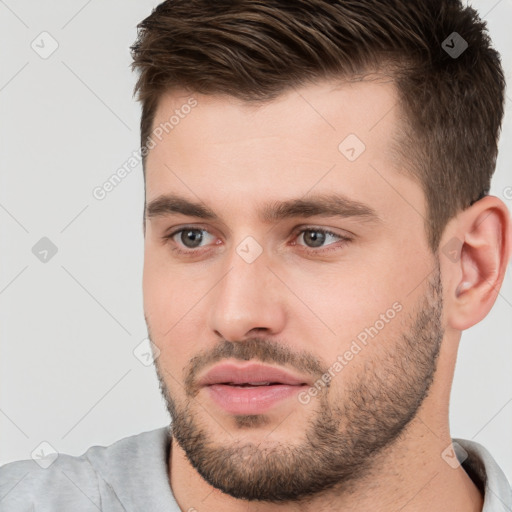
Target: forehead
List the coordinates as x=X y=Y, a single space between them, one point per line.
x=325 y=111
x=321 y=137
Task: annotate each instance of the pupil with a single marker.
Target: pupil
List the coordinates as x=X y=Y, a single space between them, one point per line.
x=315 y=237
x=193 y=235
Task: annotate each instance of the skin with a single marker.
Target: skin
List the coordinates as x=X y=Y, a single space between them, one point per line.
x=234 y=157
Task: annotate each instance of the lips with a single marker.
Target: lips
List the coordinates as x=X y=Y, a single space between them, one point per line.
x=250 y=389
x=251 y=374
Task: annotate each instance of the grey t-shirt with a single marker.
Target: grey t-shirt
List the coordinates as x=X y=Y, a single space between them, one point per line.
x=131 y=475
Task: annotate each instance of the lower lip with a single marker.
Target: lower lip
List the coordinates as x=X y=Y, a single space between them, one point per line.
x=250 y=400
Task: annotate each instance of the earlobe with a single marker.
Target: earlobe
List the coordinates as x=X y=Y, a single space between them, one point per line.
x=484 y=230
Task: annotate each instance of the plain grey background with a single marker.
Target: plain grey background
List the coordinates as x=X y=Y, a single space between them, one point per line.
x=70 y=325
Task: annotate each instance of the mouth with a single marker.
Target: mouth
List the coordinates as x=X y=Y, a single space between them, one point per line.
x=251 y=388
x=251 y=384
x=251 y=374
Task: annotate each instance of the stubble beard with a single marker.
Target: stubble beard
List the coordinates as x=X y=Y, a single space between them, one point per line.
x=343 y=437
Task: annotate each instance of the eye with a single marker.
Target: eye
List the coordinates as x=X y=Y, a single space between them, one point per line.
x=315 y=238
x=189 y=237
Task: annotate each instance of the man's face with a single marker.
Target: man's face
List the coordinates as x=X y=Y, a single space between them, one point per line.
x=353 y=316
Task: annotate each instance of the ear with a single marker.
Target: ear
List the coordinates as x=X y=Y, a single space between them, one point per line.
x=475 y=251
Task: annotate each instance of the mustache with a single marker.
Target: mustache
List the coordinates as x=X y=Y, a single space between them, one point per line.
x=258 y=349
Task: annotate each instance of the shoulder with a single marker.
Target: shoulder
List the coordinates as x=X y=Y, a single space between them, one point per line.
x=64 y=480
x=76 y=482
x=485 y=472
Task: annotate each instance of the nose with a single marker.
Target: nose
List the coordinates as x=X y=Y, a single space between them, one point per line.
x=248 y=299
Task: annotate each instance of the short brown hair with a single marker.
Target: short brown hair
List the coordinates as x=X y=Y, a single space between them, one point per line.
x=255 y=50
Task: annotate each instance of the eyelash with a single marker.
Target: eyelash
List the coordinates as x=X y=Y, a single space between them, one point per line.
x=309 y=250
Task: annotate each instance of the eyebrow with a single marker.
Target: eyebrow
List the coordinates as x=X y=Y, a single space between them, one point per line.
x=321 y=205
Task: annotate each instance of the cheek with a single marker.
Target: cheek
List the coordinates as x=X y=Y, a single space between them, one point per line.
x=355 y=311
x=171 y=305
x=155 y=292
x=164 y=295
x=344 y=299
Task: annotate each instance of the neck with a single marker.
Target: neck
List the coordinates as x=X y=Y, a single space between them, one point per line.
x=410 y=475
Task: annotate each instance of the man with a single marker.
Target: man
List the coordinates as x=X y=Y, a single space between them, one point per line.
x=318 y=233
